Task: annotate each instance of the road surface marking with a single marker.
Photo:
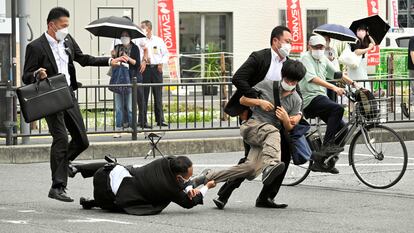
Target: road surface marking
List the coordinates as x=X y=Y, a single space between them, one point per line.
x=94 y=220
x=27 y=211
x=14 y=221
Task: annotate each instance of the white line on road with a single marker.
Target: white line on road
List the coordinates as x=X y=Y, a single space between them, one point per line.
x=94 y=220
x=27 y=211
x=14 y=221
x=340 y=165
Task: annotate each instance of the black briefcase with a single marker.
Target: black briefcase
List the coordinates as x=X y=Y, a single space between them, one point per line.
x=44 y=98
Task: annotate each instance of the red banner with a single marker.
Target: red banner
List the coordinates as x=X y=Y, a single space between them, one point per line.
x=166 y=30
x=373 y=56
x=294 y=23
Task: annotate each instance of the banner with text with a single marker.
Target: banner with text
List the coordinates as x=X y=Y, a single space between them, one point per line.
x=373 y=56
x=294 y=23
x=166 y=30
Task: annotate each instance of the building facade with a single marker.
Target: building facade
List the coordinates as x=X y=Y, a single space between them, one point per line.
x=235 y=26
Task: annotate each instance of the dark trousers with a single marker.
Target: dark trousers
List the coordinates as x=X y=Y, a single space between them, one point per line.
x=268 y=190
x=152 y=75
x=63 y=151
x=142 y=106
x=89 y=169
x=330 y=112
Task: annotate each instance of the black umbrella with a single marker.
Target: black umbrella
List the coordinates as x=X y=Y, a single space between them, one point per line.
x=113 y=26
x=377 y=27
x=337 y=32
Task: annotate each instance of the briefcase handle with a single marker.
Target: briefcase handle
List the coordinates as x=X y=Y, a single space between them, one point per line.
x=38 y=83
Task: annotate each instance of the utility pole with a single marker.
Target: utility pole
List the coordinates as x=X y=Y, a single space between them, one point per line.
x=22 y=13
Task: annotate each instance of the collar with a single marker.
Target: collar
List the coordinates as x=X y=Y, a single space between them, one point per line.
x=276 y=57
x=51 y=40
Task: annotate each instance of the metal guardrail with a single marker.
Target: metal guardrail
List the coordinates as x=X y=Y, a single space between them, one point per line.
x=187 y=106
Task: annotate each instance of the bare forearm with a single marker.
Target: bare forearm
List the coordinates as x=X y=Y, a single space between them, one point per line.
x=249 y=102
x=323 y=83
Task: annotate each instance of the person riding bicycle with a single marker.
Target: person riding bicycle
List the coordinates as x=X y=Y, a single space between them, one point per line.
x=315 y=100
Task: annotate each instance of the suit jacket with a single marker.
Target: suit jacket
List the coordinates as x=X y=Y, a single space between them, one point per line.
x=152 y=188
x=253 y=70
x=39 y=54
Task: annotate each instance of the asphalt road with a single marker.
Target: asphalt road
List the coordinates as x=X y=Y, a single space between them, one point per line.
x=323 y=203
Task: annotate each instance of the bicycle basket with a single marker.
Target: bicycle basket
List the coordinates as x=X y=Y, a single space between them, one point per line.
x=374 y=110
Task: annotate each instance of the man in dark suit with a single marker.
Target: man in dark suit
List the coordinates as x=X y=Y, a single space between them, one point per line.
x=50 y=54
x=266 y=63
x=145 y=190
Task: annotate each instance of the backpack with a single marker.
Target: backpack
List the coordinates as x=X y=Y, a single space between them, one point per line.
x=368 y=106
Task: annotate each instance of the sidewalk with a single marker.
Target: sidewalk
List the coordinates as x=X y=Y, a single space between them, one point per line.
x=173 y=143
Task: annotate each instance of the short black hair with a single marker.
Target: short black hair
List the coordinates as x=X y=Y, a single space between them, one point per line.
x=147 y=23
x=278 y=32
x=56 y=13
x=293 y=70
x=179 y=165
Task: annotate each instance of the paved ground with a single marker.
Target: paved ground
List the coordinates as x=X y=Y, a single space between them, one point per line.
x=323 y=203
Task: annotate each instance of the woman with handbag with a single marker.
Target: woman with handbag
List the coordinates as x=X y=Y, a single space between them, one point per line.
x=364 y=44
x=122 y=75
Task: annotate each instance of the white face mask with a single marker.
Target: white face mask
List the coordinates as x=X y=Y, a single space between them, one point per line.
x=125 y=40
x=285 y=49
x=62 y=33
x=286 y=86
x=318 y=54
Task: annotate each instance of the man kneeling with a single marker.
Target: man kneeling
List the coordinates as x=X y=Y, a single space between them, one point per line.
x=142 y=190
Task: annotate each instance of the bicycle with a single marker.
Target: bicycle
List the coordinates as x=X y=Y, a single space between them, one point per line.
x=368 y=142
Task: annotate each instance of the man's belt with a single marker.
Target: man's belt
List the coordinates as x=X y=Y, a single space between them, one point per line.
x=152 y=65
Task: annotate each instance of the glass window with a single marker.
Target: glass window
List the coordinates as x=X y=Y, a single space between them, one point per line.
x=202 y=33
x=315 y=18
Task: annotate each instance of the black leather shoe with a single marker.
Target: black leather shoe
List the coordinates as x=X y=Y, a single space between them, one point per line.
x=87 y=204
x=162 y=124
x=318 y=167
x=201 y=178
x=59 y=194
x=270 y=173
x=220 y=203
x=334 y=170
x=269 y=203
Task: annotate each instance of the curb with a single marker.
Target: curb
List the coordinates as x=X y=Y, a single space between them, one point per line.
x=97 y=150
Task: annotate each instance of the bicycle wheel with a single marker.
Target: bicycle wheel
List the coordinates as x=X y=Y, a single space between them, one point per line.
x=385 y=169
x=296 y=174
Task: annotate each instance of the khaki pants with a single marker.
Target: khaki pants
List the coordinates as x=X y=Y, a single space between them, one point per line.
x=264 y=140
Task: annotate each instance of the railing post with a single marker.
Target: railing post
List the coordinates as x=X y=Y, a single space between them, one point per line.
x=9 y=123
x=134 y=109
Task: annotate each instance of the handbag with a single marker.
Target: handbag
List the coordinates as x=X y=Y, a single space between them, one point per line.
x=298 y=145
x=349 y=58
x=44 y=97
x=120 y=75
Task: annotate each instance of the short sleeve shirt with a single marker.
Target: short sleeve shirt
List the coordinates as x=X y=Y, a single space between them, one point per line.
x=292 y=103
x=322 y=68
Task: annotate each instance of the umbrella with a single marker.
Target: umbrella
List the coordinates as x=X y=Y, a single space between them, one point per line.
x=377 y=27
x=113 y=26
x=337 y=32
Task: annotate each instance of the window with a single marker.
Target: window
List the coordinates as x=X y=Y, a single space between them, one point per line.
x=315 y=18
x=203 y=33
x=403 y=13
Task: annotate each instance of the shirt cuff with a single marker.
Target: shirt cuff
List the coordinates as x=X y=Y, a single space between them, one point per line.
x=204 y=190
x=109 y=61
x=188 y=188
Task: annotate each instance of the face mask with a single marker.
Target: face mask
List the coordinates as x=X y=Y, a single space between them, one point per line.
x=285 y=49
x=183 y=183
x=361 y=34
x=286 y=86
x=62 y=33
x=125 y=40
x=318 y=54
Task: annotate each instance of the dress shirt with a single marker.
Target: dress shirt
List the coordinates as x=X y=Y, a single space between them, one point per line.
x=61 y=57
x=275 y=70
